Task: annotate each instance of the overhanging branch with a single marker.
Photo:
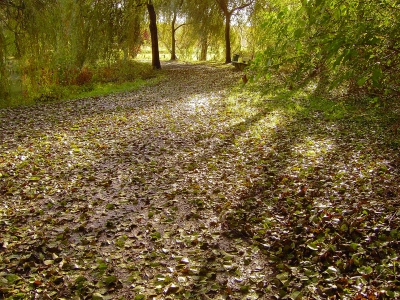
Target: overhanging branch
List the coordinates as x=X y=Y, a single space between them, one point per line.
x=241 y=7
x=184 y=24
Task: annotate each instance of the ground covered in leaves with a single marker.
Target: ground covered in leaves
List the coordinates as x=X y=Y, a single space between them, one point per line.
x=198 y=188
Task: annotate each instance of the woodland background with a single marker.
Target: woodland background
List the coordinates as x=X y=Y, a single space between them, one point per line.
x=58 y=49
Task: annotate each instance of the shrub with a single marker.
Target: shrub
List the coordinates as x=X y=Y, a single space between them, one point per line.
x=84 y=77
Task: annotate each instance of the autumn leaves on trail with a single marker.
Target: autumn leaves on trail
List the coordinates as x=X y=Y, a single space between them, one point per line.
x=187 y=190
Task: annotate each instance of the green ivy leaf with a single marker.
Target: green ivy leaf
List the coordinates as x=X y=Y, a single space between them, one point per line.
x=12 y=278
x=362 y=81
x=110 y=280
x=365 y=270
x=312 y=246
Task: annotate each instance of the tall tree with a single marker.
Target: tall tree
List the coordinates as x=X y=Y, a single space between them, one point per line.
x=229 y=7
x=174 y=13
x=131 y=22
x=176 y=7
x=155 y=52
x=208 y=22
x=52 y=40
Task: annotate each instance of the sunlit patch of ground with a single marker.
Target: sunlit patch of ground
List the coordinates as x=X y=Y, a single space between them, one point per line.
x=190 y=189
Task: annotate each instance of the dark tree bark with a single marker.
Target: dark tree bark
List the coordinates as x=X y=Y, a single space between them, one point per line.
x=228 y=58
x=223 y=4
x=204 y=49
x=173 y=30
x=155 y=53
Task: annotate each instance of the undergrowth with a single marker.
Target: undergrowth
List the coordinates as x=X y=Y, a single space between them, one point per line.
x=73 y=83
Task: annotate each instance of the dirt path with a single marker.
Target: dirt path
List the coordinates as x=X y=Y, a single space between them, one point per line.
x=190 y=190
x=119 y=196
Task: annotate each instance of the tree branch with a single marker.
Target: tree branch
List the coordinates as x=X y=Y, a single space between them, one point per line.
x=242 y=6
x=223 y=5
x=176 y=28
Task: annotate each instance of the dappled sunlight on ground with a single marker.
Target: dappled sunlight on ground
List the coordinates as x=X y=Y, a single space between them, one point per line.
x=314 y=148
x=200 y=102
x=190 y=188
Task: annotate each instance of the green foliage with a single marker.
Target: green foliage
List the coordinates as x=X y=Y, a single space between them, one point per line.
x=88 y=82
x=49 y=43
x=348 y=45
x=208 y=26
x=75 y=44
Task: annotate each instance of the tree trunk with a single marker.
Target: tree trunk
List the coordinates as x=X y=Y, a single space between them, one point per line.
x=204 y=48
x=173 y=44
x=223 y=4
x=155 y=53
x=228 y=58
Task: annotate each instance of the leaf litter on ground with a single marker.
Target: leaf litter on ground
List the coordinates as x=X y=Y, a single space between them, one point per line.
x=190 y=190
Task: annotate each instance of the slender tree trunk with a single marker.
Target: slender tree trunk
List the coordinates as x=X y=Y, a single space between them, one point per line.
x=223 y=4
x=155 y=53
x=173 y=44
x=228 y=58
x=204 y=48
